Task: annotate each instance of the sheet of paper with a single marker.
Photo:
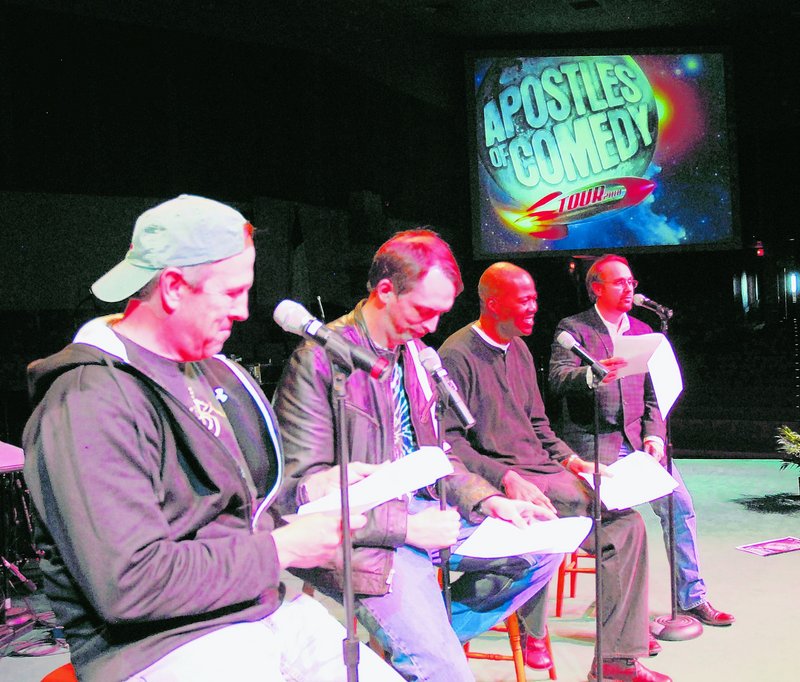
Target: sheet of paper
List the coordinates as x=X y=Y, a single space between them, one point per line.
x=407 y=474
x=636 y=350
x=637 y=478
x=495 y=538
x=666 y=376
x=774 y=546
x=652 y=353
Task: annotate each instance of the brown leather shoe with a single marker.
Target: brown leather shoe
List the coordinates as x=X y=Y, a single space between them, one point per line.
x=627 y=670
x=654 y=647
x=536 y=655
x=708 y=615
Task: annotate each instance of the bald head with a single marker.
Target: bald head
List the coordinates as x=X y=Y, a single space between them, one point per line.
x=508 y=301
x=498 y=278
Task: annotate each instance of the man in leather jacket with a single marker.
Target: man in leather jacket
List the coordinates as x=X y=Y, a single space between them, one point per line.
x=413 y=280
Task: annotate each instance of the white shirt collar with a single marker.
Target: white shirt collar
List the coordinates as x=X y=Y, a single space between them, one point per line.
x=98 y=333
x=613 y=329
x=502 y=346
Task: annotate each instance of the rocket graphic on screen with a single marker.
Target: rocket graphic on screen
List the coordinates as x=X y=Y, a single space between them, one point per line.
x=548 y=218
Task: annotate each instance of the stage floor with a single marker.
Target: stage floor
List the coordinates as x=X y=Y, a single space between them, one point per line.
x=737 y=502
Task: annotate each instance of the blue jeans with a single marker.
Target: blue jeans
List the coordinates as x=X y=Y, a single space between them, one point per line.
x=410 y=622
x=691 y=590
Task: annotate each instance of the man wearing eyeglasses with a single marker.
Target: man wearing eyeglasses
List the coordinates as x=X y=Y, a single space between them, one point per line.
x=629 y=418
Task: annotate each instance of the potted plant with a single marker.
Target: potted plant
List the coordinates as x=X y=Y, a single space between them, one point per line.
x=789 y=446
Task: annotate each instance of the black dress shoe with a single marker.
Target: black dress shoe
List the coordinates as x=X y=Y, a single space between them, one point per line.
x=653 y=646
x=708 y=615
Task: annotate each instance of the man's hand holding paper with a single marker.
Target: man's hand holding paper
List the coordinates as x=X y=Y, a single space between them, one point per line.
x=518 y=488
x=579 y=466
x=655 y=448
x=521 y=513
x=615 y=366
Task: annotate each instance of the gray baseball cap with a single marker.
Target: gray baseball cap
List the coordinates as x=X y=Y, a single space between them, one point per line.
x=187 y=230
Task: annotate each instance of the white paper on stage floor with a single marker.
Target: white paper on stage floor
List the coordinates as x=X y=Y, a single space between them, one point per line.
x=496 y=538
x=407 y=474
x=637 y=478
x=652 y=353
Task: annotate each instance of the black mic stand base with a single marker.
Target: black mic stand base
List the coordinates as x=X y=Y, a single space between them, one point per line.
x=678 y=629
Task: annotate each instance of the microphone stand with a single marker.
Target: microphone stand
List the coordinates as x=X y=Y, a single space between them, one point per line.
x=444 y=553
x=350 y=644
x=673 y=628
x=598 y=547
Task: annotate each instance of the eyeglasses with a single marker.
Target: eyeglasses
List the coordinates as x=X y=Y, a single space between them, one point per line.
x=622 y=282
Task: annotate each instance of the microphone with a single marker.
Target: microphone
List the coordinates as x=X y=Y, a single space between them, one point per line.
x=567 y=340
x=643 y=302
x=295 y=319
x=447 y=389
x=13 y=570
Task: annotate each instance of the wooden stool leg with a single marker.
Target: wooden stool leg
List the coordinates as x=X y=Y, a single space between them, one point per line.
x=512 y=625
x=573 y=578
x=511 y=628
x=375 y=645
x=560 y=586
x=552 y=670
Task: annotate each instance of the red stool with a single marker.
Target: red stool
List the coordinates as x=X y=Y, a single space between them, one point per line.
x=64 y=673
x=571 y=565
x=511 y=627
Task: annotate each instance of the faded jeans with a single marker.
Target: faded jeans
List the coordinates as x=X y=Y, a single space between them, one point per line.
x=410 y=622
x=691 y=590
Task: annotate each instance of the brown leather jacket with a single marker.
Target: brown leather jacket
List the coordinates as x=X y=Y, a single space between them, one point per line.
x=305 y=409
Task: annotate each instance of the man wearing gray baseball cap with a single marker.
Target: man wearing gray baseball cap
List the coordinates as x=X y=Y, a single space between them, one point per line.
x=153 y=463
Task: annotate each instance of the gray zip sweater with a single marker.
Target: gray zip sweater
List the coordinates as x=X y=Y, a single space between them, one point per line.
x=151 y=535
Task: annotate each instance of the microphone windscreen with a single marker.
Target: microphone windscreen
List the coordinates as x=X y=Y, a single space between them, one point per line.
x=291 y=316
x=639 y=299
x=566 y=340
x=430 y=360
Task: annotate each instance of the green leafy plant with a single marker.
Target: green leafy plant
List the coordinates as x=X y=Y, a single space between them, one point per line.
x=788 y=444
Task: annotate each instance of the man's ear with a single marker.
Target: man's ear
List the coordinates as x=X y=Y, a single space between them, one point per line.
x=171 y=287
x=597 y=289
x=384 y=289
x=491 y=305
